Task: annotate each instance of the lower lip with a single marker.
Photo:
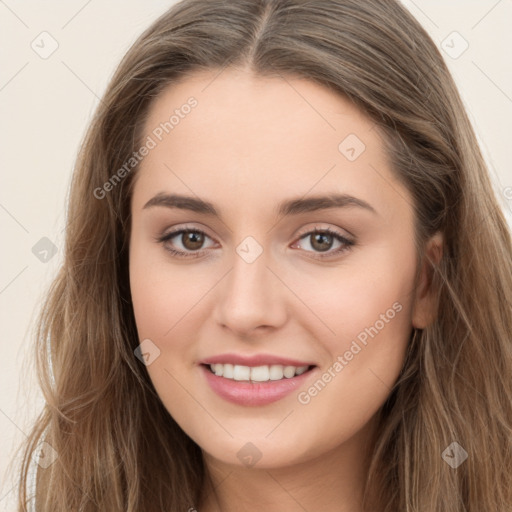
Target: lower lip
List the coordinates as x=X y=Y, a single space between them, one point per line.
x=254 y=393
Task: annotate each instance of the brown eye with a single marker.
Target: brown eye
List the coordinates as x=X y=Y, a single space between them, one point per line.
x=186 y=243
x=321 y=241
x=324 y=243
x=192 y=240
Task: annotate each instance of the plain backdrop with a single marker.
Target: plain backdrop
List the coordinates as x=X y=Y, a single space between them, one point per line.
x=47 y=101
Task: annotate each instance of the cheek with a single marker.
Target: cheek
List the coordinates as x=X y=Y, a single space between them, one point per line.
x=369 y=309
x=171 y=304
x=162 y=292
x=371 y=292
x=163 y=303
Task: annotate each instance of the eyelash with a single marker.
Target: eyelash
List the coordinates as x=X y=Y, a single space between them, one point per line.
x=347 y=244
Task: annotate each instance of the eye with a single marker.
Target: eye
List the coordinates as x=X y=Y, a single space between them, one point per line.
x=191 y=241
x=322 y=241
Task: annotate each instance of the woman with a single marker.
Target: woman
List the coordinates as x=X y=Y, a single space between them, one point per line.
x=287 y=281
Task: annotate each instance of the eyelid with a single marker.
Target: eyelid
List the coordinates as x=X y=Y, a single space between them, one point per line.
x=348 y=242
x=334 y=231
x=171 y=233
x=300 y=234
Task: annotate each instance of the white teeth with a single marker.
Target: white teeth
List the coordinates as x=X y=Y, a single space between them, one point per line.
x=276 y=372
x=260 y=373
x=289 y=371
x=241 y=372
x=257 y=373
x=227 y=371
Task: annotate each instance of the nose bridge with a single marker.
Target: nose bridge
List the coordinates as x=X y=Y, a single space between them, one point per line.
x=250 y=295
x=250 y=272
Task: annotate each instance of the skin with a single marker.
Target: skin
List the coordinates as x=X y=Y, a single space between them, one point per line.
x=250 y=143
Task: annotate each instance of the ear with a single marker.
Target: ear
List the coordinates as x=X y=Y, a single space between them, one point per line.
x=424 y=309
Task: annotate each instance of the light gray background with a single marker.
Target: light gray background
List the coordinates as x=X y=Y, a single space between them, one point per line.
x=46 y=105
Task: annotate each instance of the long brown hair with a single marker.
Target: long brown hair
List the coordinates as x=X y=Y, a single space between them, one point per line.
x=118 y=448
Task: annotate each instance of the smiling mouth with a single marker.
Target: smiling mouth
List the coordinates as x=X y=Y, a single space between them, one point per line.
x=263 y=373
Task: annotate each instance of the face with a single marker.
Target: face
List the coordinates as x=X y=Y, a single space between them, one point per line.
x=304 y=305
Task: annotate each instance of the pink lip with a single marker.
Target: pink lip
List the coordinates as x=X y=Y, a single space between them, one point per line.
x=255 y=360
x=254 y=393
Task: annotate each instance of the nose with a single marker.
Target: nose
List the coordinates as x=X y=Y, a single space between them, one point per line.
x=251 y=297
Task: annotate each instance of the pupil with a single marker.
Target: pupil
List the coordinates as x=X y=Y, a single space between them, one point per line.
x=192 y=240
x=325 y=241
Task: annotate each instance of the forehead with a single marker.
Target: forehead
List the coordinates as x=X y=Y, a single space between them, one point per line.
x=249 y=136
x=249 y=109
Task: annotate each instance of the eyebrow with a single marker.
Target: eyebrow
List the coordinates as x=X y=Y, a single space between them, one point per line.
x=288 y=207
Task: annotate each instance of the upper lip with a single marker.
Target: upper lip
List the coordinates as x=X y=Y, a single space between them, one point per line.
x=254 y=360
